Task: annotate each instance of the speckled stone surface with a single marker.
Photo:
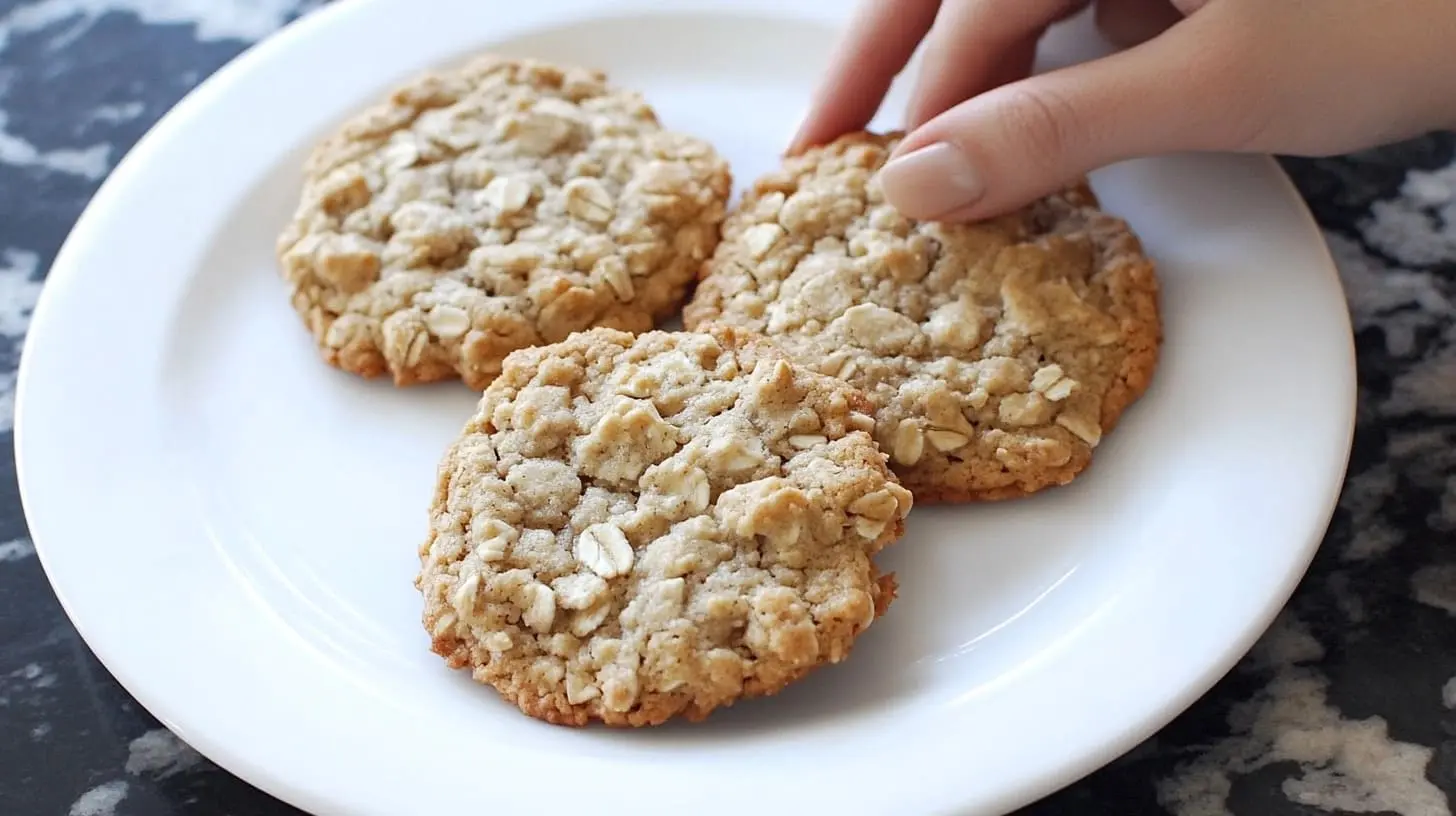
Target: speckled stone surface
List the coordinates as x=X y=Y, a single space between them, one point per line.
x=1347 y=705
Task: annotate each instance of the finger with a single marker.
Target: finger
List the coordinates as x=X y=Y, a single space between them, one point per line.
x=1126 y=23
x=879 y=41
x=1197 y=87
x=976 y=45
x=1016 y=64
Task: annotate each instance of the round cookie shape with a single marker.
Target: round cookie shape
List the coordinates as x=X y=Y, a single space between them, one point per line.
x=996 y=354
x=636 y=528
x=502 y=204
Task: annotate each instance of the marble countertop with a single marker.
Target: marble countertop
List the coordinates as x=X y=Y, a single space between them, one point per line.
x=1347 y=705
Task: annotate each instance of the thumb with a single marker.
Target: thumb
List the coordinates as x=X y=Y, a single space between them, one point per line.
x=1195 y=87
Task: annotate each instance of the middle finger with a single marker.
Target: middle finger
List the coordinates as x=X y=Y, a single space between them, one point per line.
x=976 y=45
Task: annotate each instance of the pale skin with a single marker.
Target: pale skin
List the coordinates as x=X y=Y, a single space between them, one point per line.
x=1294 y=77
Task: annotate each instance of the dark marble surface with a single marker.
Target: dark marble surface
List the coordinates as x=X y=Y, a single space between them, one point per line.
x=1345 y=706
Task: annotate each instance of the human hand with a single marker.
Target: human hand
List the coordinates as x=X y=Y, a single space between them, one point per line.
x=1299 y=77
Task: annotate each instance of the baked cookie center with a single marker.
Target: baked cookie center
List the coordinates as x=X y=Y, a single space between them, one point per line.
x=493 y=207
x=996 y=354
x=635 y=528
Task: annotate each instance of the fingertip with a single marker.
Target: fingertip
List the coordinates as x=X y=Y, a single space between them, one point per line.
x=810 y=132
x=826 y=119
x=931 y=181
x=796 y=140
x=1031 y=138
x=876 y=47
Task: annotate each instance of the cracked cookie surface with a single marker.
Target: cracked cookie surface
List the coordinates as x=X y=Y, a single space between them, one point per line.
x=498 y=205
x=633 y=528
x=996 y=354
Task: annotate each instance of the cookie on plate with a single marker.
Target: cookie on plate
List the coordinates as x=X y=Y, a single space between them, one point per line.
x=634 y=528
x=996 y=354
x=499 y=205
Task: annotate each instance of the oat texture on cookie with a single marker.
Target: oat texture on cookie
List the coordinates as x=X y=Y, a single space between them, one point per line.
x=636 y=528
x=996 y=354
x=497 y=205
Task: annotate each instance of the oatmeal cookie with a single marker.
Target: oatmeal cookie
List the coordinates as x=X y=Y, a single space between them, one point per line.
x=499 y=205
x=996 y=354
x=633 y=528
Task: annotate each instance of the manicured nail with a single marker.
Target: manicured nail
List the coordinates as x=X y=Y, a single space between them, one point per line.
x=930 y=182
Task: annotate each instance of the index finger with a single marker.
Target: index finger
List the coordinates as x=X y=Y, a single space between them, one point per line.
x=879 y=42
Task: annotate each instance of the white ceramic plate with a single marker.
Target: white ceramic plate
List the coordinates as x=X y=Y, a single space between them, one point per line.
x=232 y=525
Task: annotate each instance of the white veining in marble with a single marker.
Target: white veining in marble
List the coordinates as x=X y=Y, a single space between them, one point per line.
x=1427 y=387
x=244 y=20
x=101 y=800
x=91 y=163
x=1350 y=765
x=16 y=550
x=211 y=19
x=123 y=112
x=161 y=754
x=1364 y=494
x=1347 y=600
x=24 y=681
x=7 y=401
x=1416 y=228
x=1435 y=585
x=19 y=289
x=1399 y=301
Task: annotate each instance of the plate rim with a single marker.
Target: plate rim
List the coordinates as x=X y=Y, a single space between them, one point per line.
x=295 y=35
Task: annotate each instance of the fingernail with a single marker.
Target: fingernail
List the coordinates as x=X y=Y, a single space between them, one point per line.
x=930 y=182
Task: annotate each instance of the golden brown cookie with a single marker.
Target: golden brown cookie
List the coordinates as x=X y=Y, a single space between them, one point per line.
x=633 y=528
x=996 y=354
x=495 y=206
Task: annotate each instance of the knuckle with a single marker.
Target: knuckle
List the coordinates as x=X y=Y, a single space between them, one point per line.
x=1250 y=129
x=1044 y=123
x=1237 y=109
x=1238 y=84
